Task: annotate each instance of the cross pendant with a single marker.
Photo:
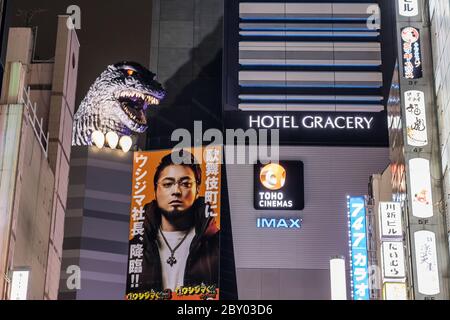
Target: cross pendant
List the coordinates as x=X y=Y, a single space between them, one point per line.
x=171 y=260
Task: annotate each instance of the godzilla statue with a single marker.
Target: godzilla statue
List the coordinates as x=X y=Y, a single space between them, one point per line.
x=117 y=102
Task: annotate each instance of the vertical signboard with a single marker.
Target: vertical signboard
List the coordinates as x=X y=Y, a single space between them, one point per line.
x=426 y=263
x=175 y=225
x=395 y=291
x=408 y=8
x=416 y=121
x=358 y=248
x=412 y=56
x=392 y=251
x=393 y=260
x=19 y=284
x=420 y=179
x=390 y=220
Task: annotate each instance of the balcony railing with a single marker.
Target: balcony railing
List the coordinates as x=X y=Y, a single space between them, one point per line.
x=36 y=124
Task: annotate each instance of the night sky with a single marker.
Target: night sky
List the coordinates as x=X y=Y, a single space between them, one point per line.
x=111 y=31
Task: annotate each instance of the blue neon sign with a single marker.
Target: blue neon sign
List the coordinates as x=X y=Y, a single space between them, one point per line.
x=358 y=248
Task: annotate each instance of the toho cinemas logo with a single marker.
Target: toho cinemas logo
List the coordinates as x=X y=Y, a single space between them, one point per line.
x=279 y=186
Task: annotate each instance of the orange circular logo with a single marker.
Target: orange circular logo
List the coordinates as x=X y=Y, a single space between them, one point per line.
x=273 y=176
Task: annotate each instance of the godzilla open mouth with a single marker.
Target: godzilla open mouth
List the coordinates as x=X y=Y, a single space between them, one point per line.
x=134 y=104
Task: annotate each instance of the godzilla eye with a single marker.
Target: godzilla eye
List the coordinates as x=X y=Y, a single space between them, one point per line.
x=130 y=72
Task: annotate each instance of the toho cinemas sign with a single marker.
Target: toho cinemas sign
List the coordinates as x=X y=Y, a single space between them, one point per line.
x=279 y=186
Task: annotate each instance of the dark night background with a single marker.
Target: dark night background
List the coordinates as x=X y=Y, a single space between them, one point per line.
x=111 y=31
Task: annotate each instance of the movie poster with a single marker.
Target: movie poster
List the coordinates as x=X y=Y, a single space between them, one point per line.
x=175 y=225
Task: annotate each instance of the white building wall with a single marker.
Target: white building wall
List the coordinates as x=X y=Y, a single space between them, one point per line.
x=440 y=30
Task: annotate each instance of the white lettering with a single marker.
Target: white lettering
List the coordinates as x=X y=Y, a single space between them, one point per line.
x=264 y=123
x=337 y=124
x=329 y=123
x=350 y=123
x=369 y=123
x=254 y=121
x=359 y=122
x=318 y=122
x=310 y=124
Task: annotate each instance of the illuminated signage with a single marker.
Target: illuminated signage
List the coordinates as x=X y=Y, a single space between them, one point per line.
x=408 y=8
x=416 y=122
x=279 y=186
x=311 y=122
x=420 y=176
x=358 y=248
x=393 y=260
x=412 y=57
x=391 y=220
x=426 y=263
x=19 y=284
x=395 y=291
x=274 y=223
x=315 y=128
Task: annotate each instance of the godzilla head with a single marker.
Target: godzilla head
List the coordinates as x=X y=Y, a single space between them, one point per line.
x=117 y=101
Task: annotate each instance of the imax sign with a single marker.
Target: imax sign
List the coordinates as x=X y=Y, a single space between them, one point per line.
x=274 y=223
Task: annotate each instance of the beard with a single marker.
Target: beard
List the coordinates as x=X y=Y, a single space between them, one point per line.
x=176 y=217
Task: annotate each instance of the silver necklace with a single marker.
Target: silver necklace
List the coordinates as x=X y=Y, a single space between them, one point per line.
x=172 y=260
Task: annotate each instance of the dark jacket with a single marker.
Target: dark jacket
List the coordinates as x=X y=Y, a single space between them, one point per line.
x=202 y=264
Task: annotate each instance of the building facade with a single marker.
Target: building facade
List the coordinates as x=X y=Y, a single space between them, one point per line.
x=96 y=228
x=409 y=231
x=439 y=11
x=303 y=68
x=37 y=106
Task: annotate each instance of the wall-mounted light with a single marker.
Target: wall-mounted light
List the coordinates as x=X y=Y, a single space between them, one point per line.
x=125 y=143
x=338 y=279
x=112 y=139
x=98 y=139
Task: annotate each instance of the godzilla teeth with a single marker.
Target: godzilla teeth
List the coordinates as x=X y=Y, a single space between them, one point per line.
x=145 y=98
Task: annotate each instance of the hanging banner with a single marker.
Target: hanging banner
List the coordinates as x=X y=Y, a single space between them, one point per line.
x=412 y=56
x=174 y=225
x=416 y=122
x=426 y=263
x=420 y=176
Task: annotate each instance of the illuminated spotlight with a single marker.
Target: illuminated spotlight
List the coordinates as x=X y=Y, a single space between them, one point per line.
x=112 y=139
x=125 y=143
x=98 y=139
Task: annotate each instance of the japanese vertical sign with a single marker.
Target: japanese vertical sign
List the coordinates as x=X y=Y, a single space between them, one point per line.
x=140 y=197
x=426 y=262
x=390 y=220
x=412 y=57
x=358 y=248
x=163 y=191
x=416 y=121
x=393 y=260
x=392 y=250
x=408 y=8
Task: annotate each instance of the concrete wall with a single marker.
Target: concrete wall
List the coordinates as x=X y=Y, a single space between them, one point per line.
x=291 y=263
x=97 y=223
x=186 y=43
x=440 y=30
x=34 y=192
x=60 y=123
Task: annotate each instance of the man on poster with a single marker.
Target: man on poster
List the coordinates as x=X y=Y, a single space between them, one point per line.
x=181 y=239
